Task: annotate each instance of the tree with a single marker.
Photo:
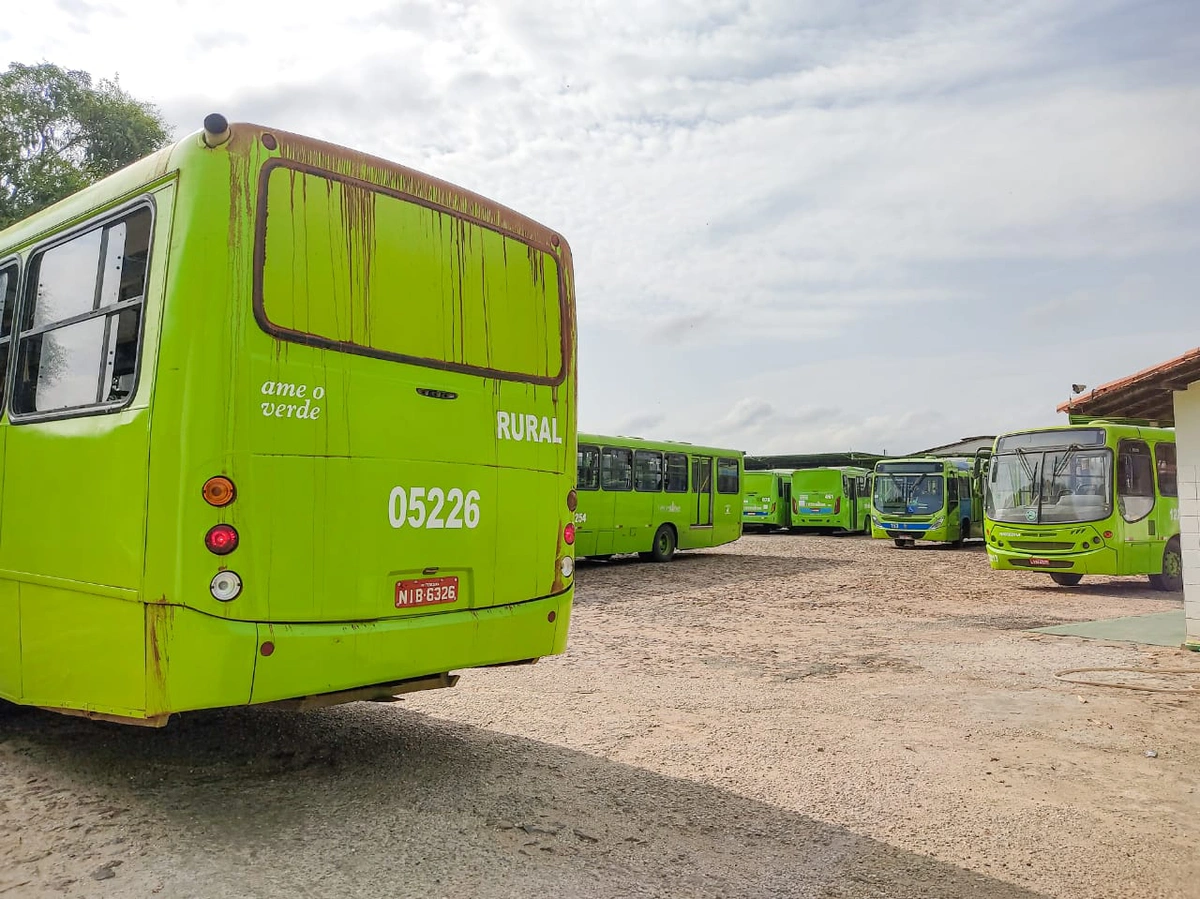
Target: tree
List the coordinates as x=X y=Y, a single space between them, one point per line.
x=59 y=132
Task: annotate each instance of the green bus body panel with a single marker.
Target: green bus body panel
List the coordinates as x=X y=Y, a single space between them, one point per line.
x=951 y=522
x=625 y=521
x=819 y=499
x=766 y=499
x=325 y=329
x=1132 y=549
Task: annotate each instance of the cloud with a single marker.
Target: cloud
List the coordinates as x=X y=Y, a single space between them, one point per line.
x=794 y=223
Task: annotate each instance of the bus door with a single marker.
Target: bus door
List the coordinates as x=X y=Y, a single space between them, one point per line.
x=850 y=489
x=702 y=485
x=1135 y=502
x=784 y=486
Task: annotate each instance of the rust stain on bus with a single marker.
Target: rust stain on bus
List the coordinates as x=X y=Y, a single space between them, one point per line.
x=356 y=171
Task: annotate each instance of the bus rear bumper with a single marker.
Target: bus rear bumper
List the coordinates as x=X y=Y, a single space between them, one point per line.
x=203 y=662
x=1097 y=561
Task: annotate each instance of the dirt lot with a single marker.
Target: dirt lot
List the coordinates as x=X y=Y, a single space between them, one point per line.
x=789 y=716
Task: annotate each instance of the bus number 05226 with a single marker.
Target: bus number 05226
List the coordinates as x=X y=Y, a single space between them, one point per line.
x=421 y=507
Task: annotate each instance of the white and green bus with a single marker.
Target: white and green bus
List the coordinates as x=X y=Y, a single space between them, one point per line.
x=767 y=500
x=654 y=497
x=831 y=499
x=281 y=423
x=1095 y=497
x=931 y=498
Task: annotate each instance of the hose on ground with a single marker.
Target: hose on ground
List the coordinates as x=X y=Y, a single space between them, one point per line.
x=1192 y=690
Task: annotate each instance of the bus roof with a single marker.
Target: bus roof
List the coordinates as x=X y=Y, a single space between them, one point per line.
x=246 y=138
x=1117 y=428
x=661 y=445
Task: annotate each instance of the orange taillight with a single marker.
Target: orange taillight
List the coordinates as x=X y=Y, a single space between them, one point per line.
x=219 y=491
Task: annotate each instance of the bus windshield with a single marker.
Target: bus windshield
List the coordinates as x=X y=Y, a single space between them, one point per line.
x=1063 y=486
x=908 y=493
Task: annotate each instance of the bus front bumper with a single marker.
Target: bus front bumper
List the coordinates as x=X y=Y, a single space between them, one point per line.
x=910 y=530
x=1101 y=560
x=204 y=662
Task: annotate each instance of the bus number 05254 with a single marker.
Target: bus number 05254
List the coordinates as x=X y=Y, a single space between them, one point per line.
x=433 y=508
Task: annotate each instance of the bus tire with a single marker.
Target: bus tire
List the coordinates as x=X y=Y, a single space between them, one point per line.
x=1066 y=579
x=1171 y=579
x=964 y=531
x=664 y=545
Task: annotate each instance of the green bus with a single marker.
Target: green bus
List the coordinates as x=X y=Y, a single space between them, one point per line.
x=282 y=423
x=766 y=500
x=1089 y=498
x=654 y=497
x=836 y=498
x=932 y=498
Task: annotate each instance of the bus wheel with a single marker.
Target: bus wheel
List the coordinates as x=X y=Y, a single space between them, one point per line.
x=1066 y=580
x=1171 y=579
x=964 y=531
x=664 y=545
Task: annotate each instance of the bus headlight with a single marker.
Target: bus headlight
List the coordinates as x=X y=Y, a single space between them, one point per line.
x=937 y=523
x=567 y=566
x=225 y=586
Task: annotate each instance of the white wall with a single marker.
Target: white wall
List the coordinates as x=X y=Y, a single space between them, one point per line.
x=1187 y=436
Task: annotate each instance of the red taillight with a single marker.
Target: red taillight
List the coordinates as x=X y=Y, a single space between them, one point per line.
x=837 y=506
x=1108 y=535
x=569 y=534
x=572 y=500
x=221 y=539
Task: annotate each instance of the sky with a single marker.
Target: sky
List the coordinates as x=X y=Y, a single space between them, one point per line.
x=797 y=226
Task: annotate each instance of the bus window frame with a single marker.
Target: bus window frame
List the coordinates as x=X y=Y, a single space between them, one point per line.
x=28 y=256
x=9 y=340
x=304 y=338
x=1158 y=472
x=579 y=449
x=1153 y=495
x=661 y=470
x=737 y=468
x=616 y=449
x=666 y=473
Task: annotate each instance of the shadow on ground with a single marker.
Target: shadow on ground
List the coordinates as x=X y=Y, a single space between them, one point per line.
x=379 y=801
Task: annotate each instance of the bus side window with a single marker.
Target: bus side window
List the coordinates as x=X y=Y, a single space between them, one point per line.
x=8 y=296
x=647 y=471
x=1135 y=480
x=616 y=468
x=1168 y=479
x=587 y=468
x=727 y=476
x=80 y=329
x=951 y=490
x=677 y=473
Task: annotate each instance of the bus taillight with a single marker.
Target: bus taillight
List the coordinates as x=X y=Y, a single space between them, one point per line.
x=221 y=539
x=1108 y=535
x=572 y=499
x=219 y=491
x=837 y=506
x=569 y=534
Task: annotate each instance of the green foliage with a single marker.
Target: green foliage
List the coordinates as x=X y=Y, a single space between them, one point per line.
x=60 y=132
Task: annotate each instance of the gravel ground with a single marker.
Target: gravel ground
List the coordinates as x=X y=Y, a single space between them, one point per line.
x=788 y=716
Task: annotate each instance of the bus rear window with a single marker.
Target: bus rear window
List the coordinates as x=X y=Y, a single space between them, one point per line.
x=352 y=267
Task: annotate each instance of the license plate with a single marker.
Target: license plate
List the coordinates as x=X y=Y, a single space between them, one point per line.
x=429 y=591
x=1039 y=563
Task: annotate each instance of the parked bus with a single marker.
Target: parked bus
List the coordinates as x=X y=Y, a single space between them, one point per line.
x=832 y=499
x=1087 y=498
x=928 y=498
x=654 y=497
x=282 y=423
x=766 y=500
